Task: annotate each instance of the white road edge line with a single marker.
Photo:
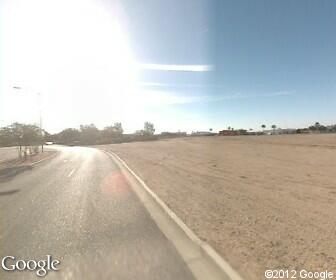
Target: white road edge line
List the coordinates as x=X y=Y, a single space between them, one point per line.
x=206 y=249
x=72 y=172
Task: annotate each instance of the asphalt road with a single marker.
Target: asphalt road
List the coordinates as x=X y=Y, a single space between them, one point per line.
x=79 y=208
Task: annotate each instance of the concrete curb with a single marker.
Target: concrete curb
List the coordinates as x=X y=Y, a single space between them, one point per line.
x=206 y=250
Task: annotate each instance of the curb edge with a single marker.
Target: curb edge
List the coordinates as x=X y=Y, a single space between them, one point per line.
x=206 y=249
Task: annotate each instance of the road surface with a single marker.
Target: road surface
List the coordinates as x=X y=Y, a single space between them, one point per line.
x=79 y=208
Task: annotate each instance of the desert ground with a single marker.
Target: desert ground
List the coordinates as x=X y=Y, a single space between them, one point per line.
x=8 y=153
x=263 y=202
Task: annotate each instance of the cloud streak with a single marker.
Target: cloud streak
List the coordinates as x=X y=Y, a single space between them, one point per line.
x=216 y=87
x=170 y=85
x=157 y=97
x=256 y=95
x=176 y=67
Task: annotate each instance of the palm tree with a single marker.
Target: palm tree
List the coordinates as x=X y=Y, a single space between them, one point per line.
x=263 y=126
x=273 y=127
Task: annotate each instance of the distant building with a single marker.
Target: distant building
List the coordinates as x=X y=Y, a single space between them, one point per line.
x=278 y=131
x=167 y=134
x=226 y=132
x=288 y=131
x=202 y=133
x=303 y=131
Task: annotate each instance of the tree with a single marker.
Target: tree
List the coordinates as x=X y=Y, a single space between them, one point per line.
x=263 y=126
x=20 y=134
x=89 y=134
x=323 y=128
x=318 y=127
x=68 y=136
x=31 y=135
x=6 y=137
x=242 y=131
x=113 y=131
x=118 y=128
x=27 y=135
x=273 y=127
x=333 y=128
x=47 y=136
x=139 y=132
x=148 y=128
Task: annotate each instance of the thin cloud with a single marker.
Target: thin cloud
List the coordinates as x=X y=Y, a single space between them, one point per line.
x=256 y=95
x=247 y=96
x=176 y=67
x=216 y=87
x=171 y=85
x=278 y=93
x=158 y=97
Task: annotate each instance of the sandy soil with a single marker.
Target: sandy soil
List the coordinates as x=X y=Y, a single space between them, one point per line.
x=8 y=153
x=264 y=202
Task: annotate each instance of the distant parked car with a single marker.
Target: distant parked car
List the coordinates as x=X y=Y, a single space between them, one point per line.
x=49 y=143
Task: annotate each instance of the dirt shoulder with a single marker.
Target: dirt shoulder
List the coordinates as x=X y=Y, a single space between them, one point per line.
x=8 y=168
x=263 y=202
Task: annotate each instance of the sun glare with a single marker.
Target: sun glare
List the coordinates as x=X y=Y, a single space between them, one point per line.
x=76 y=53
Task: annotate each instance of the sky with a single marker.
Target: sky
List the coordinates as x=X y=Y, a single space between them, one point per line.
x=185 y=65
